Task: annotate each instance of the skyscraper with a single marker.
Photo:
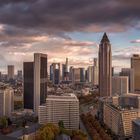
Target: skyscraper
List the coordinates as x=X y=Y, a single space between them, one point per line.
x=105 y=67
x=130 y=73
x=28 y=72
x=35 y=82
x=10 y=72
x=55 y=73
x=40 y=80
x=95 y=72
x=65 y=74
x=135 y=64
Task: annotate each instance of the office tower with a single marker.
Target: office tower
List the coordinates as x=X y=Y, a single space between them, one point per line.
x=35 y=82
x=65 y=74
x=6 y=101
x=40 y=80
x=82 y=75
x=130 y=73
x=95 y=72
x=55 y=73
x=10 y=72
x=136 y=129
x=105 y=67
x=60 y=108
x=28 y=69
x=90 y=74
x=19 y=74
x=51 y=72
x=135 y=64
x=70 y=73
x=76 y=78
x=119 y=85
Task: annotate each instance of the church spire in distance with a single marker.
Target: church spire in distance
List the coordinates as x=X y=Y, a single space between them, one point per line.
x=105 y=38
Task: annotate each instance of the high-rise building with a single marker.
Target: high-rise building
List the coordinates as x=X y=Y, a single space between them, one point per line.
x=76 y=75
x=55 y=73
x=90 y=74
x=10 y=72
x=35 y=82
x=40 y=80
x=105 y=67
x=95 y=72
x=28 y=69
x=130 y=73
x=119 y=85
x=60 y=108
x=65 y=74
x=82 y=75
x=6 y=101
x=135 y=64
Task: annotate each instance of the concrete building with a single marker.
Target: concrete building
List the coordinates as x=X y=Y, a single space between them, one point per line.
x=6 y=101
x=130 y=73
x=76 y=75
x=40 y=80
x=95 y=72
x=60 y=108
x=55 y=73
x=105 y=67
x=10 y=72
x=35 y=82
x=136 y=129
x=119 y=85
x=119 y=120
x=65 y=73
x=135 y=64
x=90 y=74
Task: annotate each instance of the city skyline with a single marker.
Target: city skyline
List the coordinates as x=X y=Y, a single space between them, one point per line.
x=76 y=35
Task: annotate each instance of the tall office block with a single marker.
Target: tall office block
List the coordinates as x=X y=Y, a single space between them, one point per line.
x=105 y=67
x=10 y=72
x=130 y=73
x=55 y=73
x=35 y=82
x=76 y=75
x=90 y=74
x=119 y=85
x=6 y=101
x=135 y=64
x=65 y=74
x=28 y=69
x=40 y=80
x=95 y=72
x=82 y=75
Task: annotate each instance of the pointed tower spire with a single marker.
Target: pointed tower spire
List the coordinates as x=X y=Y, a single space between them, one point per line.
x=105 y=38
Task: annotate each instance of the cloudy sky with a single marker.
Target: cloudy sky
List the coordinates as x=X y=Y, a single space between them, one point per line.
x=68 y=28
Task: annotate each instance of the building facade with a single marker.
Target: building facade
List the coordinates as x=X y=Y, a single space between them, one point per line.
x=6 y=101
x=130 y=73
x=60 y=108
x=10 y=72
x=135 y=65
x=119 y=85
x=105 y=67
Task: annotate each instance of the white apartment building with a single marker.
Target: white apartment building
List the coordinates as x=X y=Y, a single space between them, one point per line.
x=60 y=108
x=6 y=101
